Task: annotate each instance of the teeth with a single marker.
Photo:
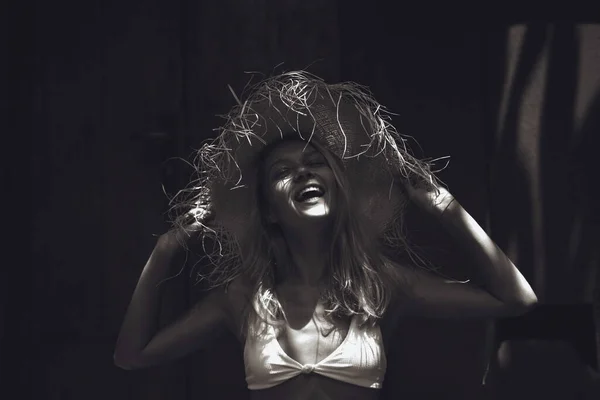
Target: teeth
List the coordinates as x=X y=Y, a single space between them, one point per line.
x=310 y=188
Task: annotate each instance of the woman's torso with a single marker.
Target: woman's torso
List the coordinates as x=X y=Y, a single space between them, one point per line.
x=307 y=338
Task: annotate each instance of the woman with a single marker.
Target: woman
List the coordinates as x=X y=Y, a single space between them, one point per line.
x=303 y=193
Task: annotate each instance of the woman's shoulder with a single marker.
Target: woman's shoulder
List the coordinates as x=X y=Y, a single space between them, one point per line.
x=238 y=295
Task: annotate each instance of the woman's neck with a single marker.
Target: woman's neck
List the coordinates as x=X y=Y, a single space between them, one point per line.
x=309 y=253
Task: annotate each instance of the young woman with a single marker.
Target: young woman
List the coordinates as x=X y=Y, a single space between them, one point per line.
x=303 y=194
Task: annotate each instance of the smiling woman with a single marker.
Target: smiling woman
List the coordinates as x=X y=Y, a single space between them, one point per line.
x=303 y=187
x=298 y=180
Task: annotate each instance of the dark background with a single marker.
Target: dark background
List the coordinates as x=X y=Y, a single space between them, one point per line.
x=108 y=91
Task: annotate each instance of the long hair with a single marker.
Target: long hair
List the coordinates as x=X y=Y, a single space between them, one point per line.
x=360 y=280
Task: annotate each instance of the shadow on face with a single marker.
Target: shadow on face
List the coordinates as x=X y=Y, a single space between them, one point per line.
x=298 y=185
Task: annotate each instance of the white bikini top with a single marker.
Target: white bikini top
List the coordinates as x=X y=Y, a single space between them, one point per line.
x=360 y=360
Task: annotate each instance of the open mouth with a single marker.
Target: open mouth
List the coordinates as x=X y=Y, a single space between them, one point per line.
x=310 y=193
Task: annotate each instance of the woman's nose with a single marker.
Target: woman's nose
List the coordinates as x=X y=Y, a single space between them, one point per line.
x=302 y=173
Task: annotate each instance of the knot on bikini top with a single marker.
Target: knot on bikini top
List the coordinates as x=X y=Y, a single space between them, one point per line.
x=308 y=368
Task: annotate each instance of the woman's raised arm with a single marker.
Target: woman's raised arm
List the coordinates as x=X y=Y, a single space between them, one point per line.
x=140 y=343
x=504 y=291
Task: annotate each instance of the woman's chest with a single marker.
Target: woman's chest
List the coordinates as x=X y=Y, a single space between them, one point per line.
x=309 y=337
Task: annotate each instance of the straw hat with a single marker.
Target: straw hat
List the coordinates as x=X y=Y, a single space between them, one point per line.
x=344 y=118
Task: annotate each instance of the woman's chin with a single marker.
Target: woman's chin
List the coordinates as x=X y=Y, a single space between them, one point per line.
x=318 y=209
x=316 y=213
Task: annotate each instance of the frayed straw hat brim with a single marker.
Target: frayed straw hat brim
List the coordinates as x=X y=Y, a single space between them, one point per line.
x=343 y=118
x=335 y=124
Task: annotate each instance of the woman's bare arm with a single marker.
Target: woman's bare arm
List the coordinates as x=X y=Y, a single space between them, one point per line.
x=139 y=344
x=432 y=296
x=503 y=291
x=496 y=272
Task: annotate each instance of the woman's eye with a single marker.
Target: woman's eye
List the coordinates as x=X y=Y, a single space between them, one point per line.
x=281 y=172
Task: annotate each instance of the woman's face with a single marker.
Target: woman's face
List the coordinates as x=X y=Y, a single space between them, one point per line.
x=299 y=184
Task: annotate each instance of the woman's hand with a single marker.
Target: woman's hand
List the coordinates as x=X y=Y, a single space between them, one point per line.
x=191 y=224
x=431 y=200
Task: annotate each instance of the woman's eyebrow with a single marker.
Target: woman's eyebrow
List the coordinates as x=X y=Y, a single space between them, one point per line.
x=310 y=152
